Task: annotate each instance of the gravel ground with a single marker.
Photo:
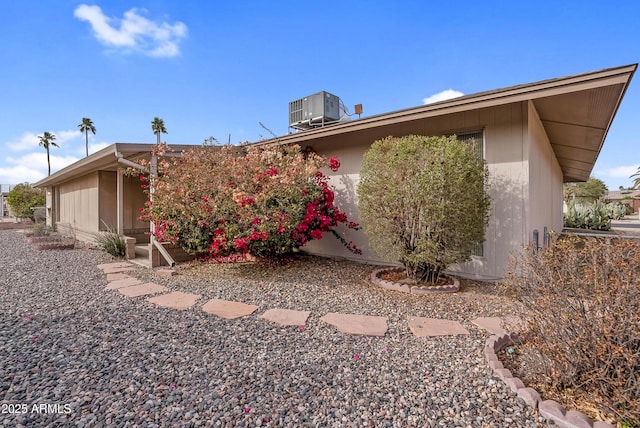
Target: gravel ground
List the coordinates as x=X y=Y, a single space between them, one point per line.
x=75 y=354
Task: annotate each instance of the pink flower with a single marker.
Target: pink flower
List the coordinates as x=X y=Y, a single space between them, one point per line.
x=247 y=409
x=316 y=234
x=325 y=221
x=356 y=357
x=247 y=201
x=272 y=172
x=300 y=328
x=242 y=244
x=334 y=163
x=256 y=221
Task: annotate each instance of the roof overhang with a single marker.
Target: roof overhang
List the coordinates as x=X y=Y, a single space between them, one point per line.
x=104 y=160
x=576 y=112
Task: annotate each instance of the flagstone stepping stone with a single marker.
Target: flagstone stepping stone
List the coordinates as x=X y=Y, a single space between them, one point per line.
x=228 y=309
x=363 y=325
x=116 y=276
x=422 y=327
x=176 y=300
x=496 y=325
x=142 y=289
x=114 y=265
x=117 y=269
x=286 y=316
x=124 y=282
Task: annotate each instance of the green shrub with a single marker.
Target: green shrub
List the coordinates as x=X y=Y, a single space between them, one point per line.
x=616 y=210
x=583 y=302
x=22 y=198
x=112 y=243
x=423 y=202
x=41 y=229
x=592 y=216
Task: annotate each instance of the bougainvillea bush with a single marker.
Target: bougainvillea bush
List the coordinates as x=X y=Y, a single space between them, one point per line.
x=224 y=200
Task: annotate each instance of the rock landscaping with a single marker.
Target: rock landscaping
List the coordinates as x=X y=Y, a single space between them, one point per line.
x=89 y=355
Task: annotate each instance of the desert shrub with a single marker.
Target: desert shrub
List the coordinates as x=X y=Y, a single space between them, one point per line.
x=592 y=216
x=616 y=210
x=110 y=242
x=262 y=201
x=423 y=202
x=22 y=198
x=583 y=299
x=41 y=229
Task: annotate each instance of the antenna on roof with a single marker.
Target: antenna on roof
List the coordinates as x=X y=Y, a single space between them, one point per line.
x=268 y=130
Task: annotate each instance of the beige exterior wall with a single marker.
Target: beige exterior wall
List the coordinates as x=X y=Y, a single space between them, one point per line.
x=507 y=155
x=545 y=180
x=108 y=209
x=89 y=204
x=79 y=202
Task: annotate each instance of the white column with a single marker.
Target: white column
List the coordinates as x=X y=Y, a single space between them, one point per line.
x=120 y=203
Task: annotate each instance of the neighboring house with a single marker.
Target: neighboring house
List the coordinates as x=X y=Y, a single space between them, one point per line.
x=94 y=195
x=625 y=196
x=534 y=137
x=5 y=210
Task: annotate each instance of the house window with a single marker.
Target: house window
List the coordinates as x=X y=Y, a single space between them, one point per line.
x=477 y=139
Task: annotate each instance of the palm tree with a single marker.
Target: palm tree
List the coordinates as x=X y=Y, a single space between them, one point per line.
x=86 y=126
x=157 y=126
x=46 y=140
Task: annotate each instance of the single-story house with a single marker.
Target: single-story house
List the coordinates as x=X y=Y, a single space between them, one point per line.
x=94 y=195
x=629 y=197
x=534 y=137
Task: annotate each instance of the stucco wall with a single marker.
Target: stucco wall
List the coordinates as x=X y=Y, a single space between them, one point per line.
x=504 y=131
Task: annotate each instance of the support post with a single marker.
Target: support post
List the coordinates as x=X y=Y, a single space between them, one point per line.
x=120 y=203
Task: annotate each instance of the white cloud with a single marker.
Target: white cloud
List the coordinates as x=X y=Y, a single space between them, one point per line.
x=64 y=136
x=134 y=32
x=622 y=171
x=29 y=140
x=32 y=167
x=447 y=94
x=95 y=147
x=20 y=174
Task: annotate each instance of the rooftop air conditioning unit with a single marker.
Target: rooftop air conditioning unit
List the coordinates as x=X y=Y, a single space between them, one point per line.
x=314 y=111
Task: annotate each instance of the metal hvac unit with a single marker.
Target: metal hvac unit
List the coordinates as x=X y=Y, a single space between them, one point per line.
x=314 y=111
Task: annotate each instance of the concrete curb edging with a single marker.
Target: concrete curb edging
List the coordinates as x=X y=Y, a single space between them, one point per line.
x=412 y=289
x=549 y=409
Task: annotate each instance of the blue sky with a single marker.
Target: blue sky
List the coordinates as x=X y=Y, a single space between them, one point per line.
x=220 y=68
